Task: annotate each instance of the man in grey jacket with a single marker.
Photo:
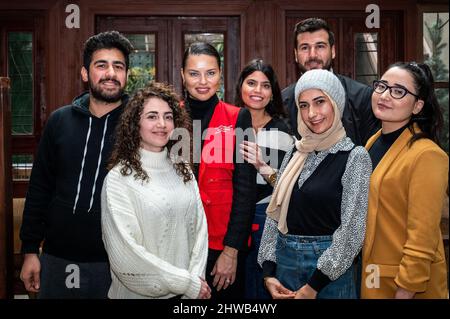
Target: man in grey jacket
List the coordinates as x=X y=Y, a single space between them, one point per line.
x=315 y=49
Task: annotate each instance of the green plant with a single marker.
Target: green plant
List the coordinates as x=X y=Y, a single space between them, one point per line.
x=138 y=78
x=440 y=72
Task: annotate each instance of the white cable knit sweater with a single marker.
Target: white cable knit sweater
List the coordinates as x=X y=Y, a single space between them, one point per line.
x=154 y=232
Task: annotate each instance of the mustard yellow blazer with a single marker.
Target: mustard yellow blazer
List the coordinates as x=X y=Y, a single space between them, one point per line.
x=403 y=244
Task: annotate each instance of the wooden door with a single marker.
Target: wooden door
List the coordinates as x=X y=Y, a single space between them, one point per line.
x=22 y=61
x=173 y=34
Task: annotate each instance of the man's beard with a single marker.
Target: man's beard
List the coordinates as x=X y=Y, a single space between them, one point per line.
x=325 y=66
x=104 y=95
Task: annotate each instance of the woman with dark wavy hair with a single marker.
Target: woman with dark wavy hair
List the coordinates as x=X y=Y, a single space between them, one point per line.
x=153 y=222
x=403 y=253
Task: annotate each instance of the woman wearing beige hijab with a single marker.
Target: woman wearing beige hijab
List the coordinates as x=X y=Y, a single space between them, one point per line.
x=316 y=217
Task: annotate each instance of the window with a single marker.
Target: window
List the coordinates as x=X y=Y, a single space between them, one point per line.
x=435 y=54
x=20 y=71
x=142 y=61
x=366 y=57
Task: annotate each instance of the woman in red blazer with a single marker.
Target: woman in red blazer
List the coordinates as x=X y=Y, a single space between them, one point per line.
x=227 y=183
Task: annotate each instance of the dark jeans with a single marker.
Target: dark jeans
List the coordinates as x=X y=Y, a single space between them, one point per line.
x=254 y=281
x=297 y=260
x=65 y=279
x=236 y=290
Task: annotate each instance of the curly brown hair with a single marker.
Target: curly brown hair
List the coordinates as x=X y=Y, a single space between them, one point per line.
x=128 y=139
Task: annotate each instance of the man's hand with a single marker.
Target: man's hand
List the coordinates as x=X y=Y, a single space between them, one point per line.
x=30 y=273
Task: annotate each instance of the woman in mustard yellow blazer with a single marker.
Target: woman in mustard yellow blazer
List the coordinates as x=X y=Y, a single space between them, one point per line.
x=403 y=253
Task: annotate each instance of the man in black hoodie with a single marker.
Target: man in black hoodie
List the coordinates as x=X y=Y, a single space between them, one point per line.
x=62 y=206
x=315 y=49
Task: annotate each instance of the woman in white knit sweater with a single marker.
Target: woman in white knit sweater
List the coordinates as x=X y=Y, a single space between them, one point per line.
x=153 y=222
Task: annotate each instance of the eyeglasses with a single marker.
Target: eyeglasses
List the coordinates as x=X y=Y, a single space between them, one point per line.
x=397 y=92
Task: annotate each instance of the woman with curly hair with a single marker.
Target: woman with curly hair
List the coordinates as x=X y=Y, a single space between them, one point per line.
x=153 y=222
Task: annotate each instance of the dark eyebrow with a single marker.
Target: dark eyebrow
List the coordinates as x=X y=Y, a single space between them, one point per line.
x=397 y=85
x=315 y=43
x=400 y=86
x=319 y=97
x=114 y=62
x=156 y=112
x=263 y=82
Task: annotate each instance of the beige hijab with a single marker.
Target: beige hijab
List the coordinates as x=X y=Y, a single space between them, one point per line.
x=279 y=203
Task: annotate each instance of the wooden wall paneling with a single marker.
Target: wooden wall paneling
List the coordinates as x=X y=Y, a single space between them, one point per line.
x=279 y=45
x=6 y=236
x=265 y=36
x=235 y=59
x=166 y=8
x=65 y=57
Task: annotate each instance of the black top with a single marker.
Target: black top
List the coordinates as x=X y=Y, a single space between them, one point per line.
x=358 y=119
x=264 y=190
x=382 y=145
x=62 y=205
x=244 y=175
x=315 y=208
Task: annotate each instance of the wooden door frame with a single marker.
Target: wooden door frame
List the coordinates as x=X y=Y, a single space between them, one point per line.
x=6 y=209
x=33 y=21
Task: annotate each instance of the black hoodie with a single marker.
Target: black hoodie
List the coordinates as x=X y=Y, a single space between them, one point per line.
x=62 y=206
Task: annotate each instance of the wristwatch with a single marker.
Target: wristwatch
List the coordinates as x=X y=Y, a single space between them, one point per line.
x=272 y=178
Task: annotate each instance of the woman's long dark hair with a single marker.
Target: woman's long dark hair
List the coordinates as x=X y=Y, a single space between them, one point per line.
x=275 y=106
x=429 y=119
x=128 y=139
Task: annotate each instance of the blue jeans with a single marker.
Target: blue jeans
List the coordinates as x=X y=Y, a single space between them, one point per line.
x=254 y=281
x=65 y=279
x=297 y=260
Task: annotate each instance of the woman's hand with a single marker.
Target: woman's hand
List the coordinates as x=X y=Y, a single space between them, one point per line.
x=277 y=290
x=402 y=293
x=205 y=291
x=252 y=154
x=224 y=270
x=306 y=292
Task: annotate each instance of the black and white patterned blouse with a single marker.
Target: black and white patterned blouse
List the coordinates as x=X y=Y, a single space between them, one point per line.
x=348 y=235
